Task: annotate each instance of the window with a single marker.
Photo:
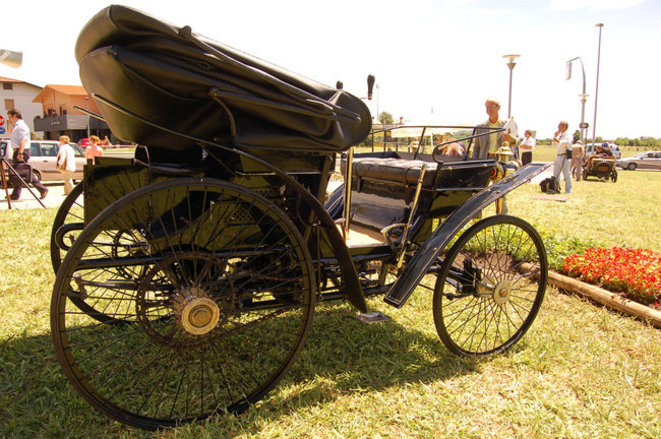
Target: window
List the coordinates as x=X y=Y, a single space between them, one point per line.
x=49 y=149
x=9 y=104
x=7 y=86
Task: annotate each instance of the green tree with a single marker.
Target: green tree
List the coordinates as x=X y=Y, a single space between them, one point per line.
x=386 y=118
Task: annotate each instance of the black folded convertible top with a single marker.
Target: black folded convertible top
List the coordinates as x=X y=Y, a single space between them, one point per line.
x=135 y=65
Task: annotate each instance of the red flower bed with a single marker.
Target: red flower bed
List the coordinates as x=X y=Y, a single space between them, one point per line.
x=636 y=272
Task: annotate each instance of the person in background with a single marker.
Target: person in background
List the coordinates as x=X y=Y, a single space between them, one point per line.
x=20 y=142
x=486 y=145
x=562 y=142
x=105 y=141
x=454 y=149
x=606 y=150
x=527 y=145
x=93 y=150
x=66 y=163
x=577 y=153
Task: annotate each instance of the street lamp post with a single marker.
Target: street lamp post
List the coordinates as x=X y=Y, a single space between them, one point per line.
x=378 y=116
x=511 y=65
x=583 y=96
x=87 y=107
x=596 y=90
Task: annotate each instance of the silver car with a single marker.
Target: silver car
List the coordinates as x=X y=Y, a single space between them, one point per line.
x=43 y=157
x=644 y=160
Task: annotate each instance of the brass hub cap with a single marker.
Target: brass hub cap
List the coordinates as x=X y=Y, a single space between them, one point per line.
x=501 y=294
x=200 y=315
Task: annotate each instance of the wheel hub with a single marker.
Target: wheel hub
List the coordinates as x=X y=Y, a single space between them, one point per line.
x=501 y=294
x=200 y=316
x=196 y=312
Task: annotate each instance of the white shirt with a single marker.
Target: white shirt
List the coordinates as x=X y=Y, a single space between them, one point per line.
x=67 y=155
x=564 y=142
x=21 y=131
x=528 y=144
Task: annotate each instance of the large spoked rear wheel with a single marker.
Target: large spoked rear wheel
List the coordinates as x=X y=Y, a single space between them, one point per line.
x=214 y=286
x=490 y=286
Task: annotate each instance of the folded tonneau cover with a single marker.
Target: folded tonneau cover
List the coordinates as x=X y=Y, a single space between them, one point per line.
x=135 y=65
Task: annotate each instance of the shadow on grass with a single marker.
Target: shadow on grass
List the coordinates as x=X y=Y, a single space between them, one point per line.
x=342 y=356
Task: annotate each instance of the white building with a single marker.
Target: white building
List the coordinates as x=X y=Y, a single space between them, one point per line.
x=18 y=94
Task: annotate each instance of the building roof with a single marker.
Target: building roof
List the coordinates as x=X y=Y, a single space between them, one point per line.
x=69 y=90
x=16 y=81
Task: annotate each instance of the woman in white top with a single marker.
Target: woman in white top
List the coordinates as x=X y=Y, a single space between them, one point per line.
x=66 y=163
x=527 y=145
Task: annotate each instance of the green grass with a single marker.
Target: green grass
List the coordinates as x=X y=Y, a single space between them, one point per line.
x=625 y=213
x=581 y=371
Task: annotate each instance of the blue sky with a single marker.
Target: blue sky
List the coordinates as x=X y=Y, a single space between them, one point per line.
x=445 y=56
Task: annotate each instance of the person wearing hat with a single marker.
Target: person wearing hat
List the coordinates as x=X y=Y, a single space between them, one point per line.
x=487 y=145
x=577 y=153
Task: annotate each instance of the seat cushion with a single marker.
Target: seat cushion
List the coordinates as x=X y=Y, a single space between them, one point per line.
x=394 y=170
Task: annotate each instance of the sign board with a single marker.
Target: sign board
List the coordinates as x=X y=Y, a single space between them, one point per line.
x=583 y=125
x=2 y=130
x=2 y=120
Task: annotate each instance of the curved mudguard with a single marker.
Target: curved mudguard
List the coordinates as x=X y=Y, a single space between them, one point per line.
x=432 y=248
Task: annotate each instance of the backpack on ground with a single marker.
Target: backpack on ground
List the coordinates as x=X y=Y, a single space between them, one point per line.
x=549 y=186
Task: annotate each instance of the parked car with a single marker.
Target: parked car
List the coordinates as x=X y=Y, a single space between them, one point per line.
x=590 y=149
x=643 y=160
x=84 y=142
x=43 y=157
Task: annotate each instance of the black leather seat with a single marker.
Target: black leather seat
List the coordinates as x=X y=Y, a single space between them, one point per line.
x=394 y=170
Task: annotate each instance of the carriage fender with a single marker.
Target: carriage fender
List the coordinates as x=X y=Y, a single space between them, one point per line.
x=439 y=239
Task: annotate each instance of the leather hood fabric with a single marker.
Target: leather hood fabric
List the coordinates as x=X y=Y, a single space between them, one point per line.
x=216 y=93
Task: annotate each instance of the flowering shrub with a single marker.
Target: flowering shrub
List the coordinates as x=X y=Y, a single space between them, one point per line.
x=634 y=271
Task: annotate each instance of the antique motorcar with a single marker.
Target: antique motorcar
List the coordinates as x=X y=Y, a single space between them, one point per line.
x=188 y=275
x=600 y=163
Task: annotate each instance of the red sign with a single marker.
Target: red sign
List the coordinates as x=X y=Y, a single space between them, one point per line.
x=2 y=120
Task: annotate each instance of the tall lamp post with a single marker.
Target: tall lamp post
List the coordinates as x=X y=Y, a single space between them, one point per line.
x=87 y=107
x=596 y=90
x=583 y=96
x=511 y=65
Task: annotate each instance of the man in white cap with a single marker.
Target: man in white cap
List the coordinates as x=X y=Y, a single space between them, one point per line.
x=486 y=146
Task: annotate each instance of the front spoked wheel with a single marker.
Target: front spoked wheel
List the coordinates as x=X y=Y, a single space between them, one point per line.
x=490 y=286
x=214 y=287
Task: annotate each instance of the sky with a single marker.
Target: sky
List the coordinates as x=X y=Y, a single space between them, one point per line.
x=435 y=61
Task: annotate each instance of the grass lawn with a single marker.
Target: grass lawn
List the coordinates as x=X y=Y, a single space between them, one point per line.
x=581 y=371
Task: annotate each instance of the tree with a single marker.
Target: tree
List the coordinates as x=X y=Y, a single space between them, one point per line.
x=386 y=118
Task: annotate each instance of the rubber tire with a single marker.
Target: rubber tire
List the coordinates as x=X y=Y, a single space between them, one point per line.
x=476 y=305
x=632 y=167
